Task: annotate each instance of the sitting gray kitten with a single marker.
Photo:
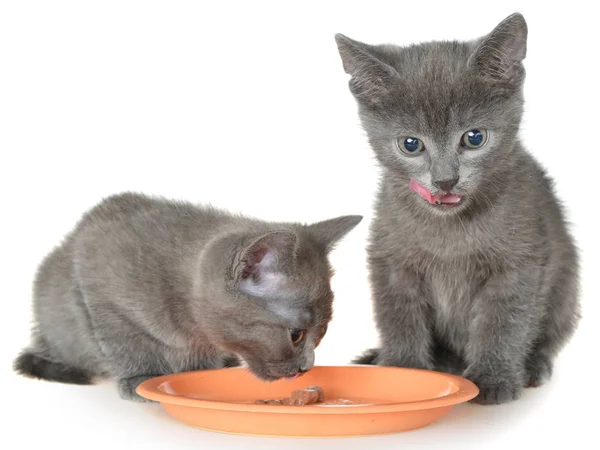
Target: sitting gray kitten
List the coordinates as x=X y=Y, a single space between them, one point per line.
x=472 y=268
x=145 y=286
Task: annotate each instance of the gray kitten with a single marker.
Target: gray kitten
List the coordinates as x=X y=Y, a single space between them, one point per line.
x=144 y=286
x=472 y=268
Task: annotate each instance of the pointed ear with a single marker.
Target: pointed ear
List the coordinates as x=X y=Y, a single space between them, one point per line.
x=371 y=78
x=262 y=267
x=499 y=55
x=329 y=232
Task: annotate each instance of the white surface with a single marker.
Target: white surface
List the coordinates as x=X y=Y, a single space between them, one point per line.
x=247 y=106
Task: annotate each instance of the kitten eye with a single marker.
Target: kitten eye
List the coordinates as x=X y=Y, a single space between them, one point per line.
x=296 y=335
x=474 y=139
x=410 y=145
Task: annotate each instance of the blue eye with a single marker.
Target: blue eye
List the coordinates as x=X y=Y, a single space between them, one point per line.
x=410 y=145
x=474 y=139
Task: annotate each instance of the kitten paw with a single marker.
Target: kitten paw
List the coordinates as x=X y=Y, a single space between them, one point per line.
x=127 y=387
x=538 y=371
x=496 y=392
x=504 y=387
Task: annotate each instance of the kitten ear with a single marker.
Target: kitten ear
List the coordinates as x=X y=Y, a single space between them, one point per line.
x=261 y=268
x=499 y=55
x=329 y=232
x=371 y=77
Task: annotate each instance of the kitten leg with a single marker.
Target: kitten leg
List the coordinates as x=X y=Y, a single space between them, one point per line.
x=500 y=336
x=127 y=387
x=559 y=325
x=446 y=360
x=402 y=316
x=130 y=353
x=137 y=356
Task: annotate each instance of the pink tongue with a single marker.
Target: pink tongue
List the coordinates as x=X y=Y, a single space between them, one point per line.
x=421 y=190
x=448 y=198
x=425 y=194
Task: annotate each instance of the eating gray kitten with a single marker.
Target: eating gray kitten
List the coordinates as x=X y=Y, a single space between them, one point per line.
x=472 y=268
x=145 y=286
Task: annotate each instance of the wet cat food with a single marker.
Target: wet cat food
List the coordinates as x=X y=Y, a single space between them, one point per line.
x=309 y=396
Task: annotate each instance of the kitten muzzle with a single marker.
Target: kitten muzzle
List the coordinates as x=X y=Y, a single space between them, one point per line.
x=448 y=199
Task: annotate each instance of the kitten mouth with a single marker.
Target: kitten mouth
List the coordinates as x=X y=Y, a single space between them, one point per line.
x=293 y=377
x=270 y=376
x=445 y=200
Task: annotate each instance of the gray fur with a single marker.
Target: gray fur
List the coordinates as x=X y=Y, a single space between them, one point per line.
x=489 y=288
x=144 y=286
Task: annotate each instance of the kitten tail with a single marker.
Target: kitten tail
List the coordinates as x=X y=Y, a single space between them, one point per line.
x=34 y=366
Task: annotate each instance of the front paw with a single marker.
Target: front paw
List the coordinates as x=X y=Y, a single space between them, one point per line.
x=496 y=391
x=127 y=387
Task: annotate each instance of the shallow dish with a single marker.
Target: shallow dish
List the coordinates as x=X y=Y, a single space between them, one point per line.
x=388 y=400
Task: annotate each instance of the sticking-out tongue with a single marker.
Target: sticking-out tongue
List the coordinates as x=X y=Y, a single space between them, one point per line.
x=447 y=199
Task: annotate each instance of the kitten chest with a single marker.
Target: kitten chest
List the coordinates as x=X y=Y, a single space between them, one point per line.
x=450 y=292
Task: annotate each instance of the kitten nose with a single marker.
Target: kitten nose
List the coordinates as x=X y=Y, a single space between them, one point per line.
x=446 y=185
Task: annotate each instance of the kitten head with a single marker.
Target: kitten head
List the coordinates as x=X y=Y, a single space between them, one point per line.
x=276 y=303
x=444 y=115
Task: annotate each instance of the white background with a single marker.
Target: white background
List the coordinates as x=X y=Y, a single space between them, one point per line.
x=245 y=105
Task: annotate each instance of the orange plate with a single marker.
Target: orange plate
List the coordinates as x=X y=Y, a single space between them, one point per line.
x=398 y=400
